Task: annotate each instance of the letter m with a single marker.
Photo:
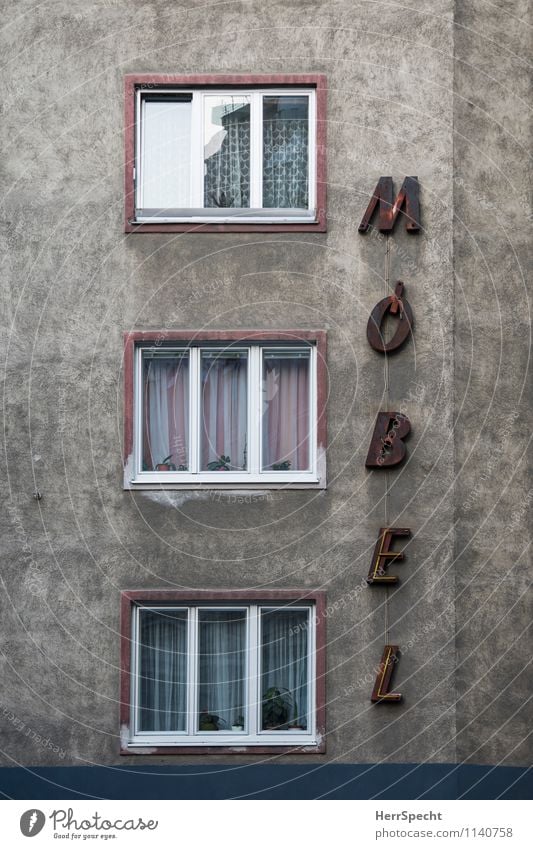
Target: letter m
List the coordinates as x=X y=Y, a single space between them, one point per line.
x=407 y=199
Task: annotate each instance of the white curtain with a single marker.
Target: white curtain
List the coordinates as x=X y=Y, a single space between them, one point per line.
x=286 y=410
x=224 y=410
x=222 y=664
x=163 y=670
x=166 y=411
x=166 y=154
x=284 y=658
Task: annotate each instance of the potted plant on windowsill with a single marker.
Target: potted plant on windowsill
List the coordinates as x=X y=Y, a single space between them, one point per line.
x=165 y=465
x=276 y=709
x=210 y=721
x=238 y=725
x=220 y=465
x=284 y=466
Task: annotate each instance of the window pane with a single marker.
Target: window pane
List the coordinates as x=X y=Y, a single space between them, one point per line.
x=286 y=410
x=284 y=678
x=224 y=410
x=227 y=151
x=166 y=154
x=222 y=648
x=163 y=670
x=286 y=152
x=166 y=411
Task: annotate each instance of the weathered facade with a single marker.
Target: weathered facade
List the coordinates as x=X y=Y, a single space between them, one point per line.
x=440 y=92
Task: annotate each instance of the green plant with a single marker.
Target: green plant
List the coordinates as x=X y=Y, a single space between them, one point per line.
x=165 y=466
x=277 y=707
x=239 y=721
x=210 y=721
x=220 y=465
x=284 y=466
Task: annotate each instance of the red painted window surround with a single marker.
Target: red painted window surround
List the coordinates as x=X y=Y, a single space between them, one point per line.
x=134 y=81
x=129 y=598
x=196 y=337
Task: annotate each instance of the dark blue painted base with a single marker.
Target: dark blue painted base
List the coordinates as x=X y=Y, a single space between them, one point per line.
x=329 y=781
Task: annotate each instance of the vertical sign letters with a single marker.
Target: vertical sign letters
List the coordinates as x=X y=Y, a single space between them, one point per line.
x=383 y=556
x=389 y=660
x=394 y=305
x=407 y=197
x=387 y=448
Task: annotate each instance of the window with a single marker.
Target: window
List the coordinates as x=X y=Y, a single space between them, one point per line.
x=226 y=411
x=222 y=672
x=236 y=151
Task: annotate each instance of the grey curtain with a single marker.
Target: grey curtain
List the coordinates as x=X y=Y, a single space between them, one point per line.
x=284 y=658
x=163 y=670
x=222 y=665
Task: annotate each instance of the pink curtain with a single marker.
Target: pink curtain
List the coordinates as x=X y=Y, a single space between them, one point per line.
x=224 y=410
x=286 y=411
x=166 y=412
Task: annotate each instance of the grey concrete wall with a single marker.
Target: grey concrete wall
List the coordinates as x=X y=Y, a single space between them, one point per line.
x=494 y=495
x=73 y=282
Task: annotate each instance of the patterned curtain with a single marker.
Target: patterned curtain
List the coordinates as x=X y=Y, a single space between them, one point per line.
x=285 y=153
x=227 y=169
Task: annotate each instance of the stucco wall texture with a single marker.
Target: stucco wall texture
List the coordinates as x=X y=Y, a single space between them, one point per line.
x=438 y=90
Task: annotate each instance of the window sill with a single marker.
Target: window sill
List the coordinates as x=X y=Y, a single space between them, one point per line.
x=313 y=747
x=225 y=216
x=145 y=225
x=230 y=487
x=225 y=738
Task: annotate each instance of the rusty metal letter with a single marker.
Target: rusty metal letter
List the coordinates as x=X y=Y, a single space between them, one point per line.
x=383 y=556
x=408 y=196
x=389 y=661
x=386 y=446
x=392 y=304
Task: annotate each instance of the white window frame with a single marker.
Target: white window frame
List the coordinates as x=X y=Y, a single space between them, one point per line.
x=253 y=735
x=256 y=214
x=253 y=475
